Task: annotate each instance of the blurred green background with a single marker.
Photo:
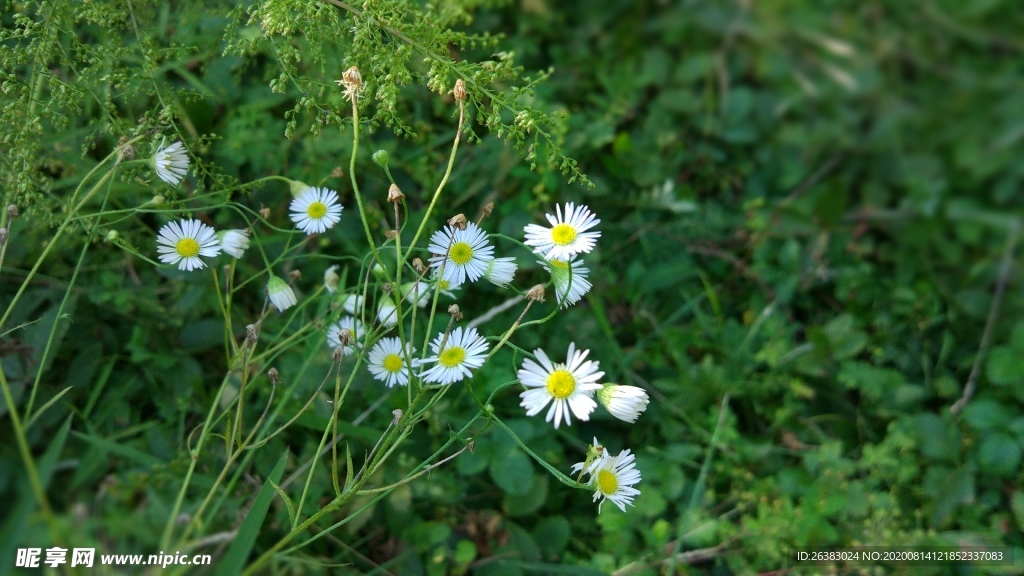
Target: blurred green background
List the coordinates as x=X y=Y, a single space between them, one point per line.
x=805 y=208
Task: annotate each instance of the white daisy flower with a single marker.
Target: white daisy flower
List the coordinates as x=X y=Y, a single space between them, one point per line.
x=500 y=271
x=464 y=349
x=352 y=303
x=569 y=286
x=417 y=290
x=183 y=242
x=355 y=331
x=387 y=362
x=387 y=313
x=316 y=210
x=613 y=478
x=469 y=254
x=171 y=163
x=281 y=294
x=624 y=402
x=567 y=387
x=234 y=243
x=567 y=236
x=331 y=279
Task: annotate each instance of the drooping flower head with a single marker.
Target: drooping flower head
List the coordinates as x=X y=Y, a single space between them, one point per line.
x=613 y=478
x=463 y=349
x=387 y=362
x=281 y=294
x=171 y=163
x=467 y=257
x=331 y=279
x=624 y=402
x=234 y=242
x=567 y=236
x=316 y=210
x=387 y=312
x=500 y=271
x=569 y=278
x=568 y=387
x=351 y=329
x=183 y=242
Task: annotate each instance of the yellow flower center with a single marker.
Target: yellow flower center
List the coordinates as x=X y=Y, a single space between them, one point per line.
x=316 y=210
x=563 y=234
x=561 y=384
x=392 y=363
x=444 y=284
x=452 y=357
x=460 y=253
x=559 y=264
x=187 y=248
x=607 y=482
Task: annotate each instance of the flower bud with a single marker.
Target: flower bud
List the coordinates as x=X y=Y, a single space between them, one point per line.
x=624 y=402
x=156 y=200
x=112 y=236
x=379 y=272
x=296 y=187
x=331 y=279
x=380 y=157
x=280 y=293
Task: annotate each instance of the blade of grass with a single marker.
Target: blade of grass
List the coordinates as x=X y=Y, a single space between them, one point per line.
x=241 y=547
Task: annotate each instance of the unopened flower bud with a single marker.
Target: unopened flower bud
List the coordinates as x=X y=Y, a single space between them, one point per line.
x=157 y=200
x=274 y=376
x=296 y=187
x=379 y=271
x=394 y=194
x=418 y=266
x=12 y=211
x=460 y=90
x=112 y=236
x=536 y=293
x=455 y=312
x=624 y=402
x=331 y=279
x=380 y=157
x=458 y=221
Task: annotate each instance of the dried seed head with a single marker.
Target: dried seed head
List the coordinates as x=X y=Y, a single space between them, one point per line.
x=458 y=221
x=338 y=353
x=264 y=212
x=274 y=376
x=295 y=275
x=391 y=234
x=387 y=288
x=352 y=80
x=345 y=337
x=397 y=413
x=12 y=211
x=460 y=90
x=455 y=312
x=252 y=334
x=472 y=446
x=337 y=172
x=3 y=236
x=418 y=266
x=127 y=152
x=486 y=210
x=394 y=194
x=536 y=293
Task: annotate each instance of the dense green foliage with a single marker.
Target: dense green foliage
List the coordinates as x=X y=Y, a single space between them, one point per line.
x=805 y=210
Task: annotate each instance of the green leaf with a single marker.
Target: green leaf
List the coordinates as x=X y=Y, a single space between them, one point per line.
x=999 y=454
x=529 y=502
x=956 y=488
x=986 y=414
x=552 y=535
x=1017 y=505
x=237 y=554
x=128 y=452
x=1004 y=366
x=512 y=472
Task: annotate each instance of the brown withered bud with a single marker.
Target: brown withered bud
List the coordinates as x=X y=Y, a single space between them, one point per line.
x=397 y=413
x=264 y=212
x=337 y=172
x=274 y=376
x=12 y=211
x=252 y=334
x=486 y=210
x=391 y=234
x=455 y=312
x=345 y=337
x=472 y=446
x=418 y=266
x=387 y=288
x=127 y=152
x=353 y=77
x=3 y=236
x=458 y=221
x=318 y=323
x=394 y=194
x=536 y=293
x=460 y=90
x=295 y=275
x=338 y=353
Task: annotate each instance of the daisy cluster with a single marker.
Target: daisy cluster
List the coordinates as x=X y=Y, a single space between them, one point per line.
x=461 y=253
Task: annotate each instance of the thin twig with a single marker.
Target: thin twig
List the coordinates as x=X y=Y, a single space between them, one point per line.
x=993 y=313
